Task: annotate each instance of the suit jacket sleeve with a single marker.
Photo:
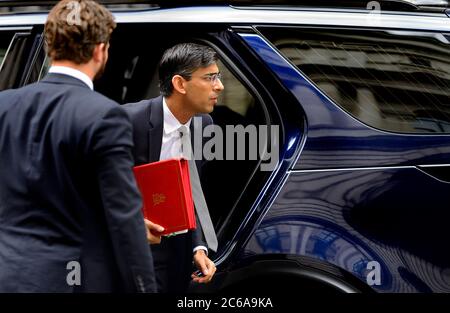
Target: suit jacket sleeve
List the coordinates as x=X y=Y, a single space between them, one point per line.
x=112 y=144
x=198 y=239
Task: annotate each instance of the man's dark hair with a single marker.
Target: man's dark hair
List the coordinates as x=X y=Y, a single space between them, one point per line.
x=183 y=59
x=74 y=27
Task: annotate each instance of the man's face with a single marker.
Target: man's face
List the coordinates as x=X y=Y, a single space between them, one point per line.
x=203 y=89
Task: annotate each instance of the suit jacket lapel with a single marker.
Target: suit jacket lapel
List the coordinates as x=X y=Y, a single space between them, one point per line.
x=156 y=129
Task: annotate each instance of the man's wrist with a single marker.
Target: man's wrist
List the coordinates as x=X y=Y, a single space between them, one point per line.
x=201 y=248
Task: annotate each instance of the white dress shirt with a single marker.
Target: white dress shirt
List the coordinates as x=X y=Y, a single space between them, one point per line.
x=171 y=141
x=73 y=73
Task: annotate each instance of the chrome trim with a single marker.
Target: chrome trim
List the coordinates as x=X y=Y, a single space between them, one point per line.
x=434 y=165
x=368 y=168
x=12 y=28
x=225 y=14
x=353 y=169
x=22 y=19
x=443 y=3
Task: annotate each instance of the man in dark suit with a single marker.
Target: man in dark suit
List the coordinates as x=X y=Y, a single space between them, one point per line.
x=70 y=211
x=189 y=85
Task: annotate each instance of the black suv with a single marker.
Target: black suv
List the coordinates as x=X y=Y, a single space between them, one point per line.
x=359 y=196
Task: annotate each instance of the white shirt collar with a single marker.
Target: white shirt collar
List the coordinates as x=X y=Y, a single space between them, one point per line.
x=171 y=123
x=73 y=73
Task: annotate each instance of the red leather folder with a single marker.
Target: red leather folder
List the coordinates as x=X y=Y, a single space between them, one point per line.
x=166 y=194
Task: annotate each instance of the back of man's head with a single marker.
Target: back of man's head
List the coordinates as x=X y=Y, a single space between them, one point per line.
x=183 y=59
x=74 y=27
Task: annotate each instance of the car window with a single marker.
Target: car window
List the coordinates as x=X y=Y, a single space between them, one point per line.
x=44 y=68
x=5 y=41
x=13 y=49
x=36 y=64
x=235 y=96
x=393 y=80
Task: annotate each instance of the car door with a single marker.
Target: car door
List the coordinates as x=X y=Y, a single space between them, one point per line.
x=370 y=191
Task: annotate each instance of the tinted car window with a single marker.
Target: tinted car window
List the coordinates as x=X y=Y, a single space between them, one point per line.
x=392 y=80
x=5 y=40
x=12 y=49
x=236 y=106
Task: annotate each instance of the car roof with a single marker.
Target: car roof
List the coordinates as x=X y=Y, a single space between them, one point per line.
x=255 y=15
x=260 y=16
x=400 y=5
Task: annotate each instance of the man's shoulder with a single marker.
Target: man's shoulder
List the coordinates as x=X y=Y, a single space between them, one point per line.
x=102 y=100
x=10 y=97
x=9 y=93
x=75 y=90
x=143 y=105
x=18 y=91
x=85 y=106
x=140 y=112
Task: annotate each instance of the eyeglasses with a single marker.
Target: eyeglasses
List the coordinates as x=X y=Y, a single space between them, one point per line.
x=213 y=78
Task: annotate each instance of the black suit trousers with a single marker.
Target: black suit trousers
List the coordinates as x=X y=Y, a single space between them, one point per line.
x=172 y=268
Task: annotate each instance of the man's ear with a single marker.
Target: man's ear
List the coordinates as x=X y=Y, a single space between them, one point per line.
x=179 y=84
x=99 y=51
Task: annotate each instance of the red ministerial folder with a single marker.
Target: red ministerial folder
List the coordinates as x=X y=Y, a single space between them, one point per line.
x=166 y=194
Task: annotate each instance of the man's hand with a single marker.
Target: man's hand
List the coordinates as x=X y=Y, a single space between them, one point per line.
x=205 y=265
x=152 y=232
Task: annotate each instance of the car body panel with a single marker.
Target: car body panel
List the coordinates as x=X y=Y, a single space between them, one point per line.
x=358 y=194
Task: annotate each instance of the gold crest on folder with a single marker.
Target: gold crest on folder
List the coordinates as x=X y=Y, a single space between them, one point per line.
x=158 y=198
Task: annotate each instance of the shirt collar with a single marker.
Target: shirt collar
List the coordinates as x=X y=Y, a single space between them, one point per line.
x=171 y=123
x=73 y=73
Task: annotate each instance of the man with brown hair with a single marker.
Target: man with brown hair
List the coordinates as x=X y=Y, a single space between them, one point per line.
x=70 y=211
